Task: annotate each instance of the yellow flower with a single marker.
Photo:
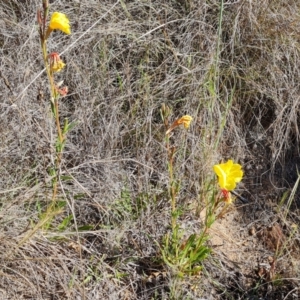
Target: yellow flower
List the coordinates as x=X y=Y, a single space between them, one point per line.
x=185 y=120
x=56 y=64
x=60 y=21
x=229 y=174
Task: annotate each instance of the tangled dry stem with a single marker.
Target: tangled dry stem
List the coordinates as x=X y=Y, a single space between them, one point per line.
x=124 y=59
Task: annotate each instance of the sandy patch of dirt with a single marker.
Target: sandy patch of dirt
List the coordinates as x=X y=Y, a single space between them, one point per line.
x=254 y=252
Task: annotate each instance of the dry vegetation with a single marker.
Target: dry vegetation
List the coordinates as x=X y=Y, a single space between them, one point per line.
x=237 y=74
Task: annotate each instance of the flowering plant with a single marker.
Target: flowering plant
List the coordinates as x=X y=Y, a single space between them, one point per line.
x=183 y=254
x=53 y=64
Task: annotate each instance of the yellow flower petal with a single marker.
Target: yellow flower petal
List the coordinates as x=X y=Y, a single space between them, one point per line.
x=61 y=22
x=185 y=120
x=229 y=174
x=58 y=66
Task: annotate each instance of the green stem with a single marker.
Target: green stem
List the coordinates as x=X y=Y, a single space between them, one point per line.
x=49 y=73
x=59 y=133
x=55 y=110
x=172 y=188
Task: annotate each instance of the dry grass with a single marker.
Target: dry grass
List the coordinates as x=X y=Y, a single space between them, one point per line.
x=239 y=79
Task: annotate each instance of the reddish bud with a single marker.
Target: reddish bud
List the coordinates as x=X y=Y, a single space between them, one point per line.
x=63 y=91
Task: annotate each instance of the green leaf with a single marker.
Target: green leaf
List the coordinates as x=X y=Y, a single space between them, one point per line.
x=79 y=196
x=85 y=227
x=210 y=220
x=64 y=224
x=61 y=204
x=65 y=177
x=68 y=126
